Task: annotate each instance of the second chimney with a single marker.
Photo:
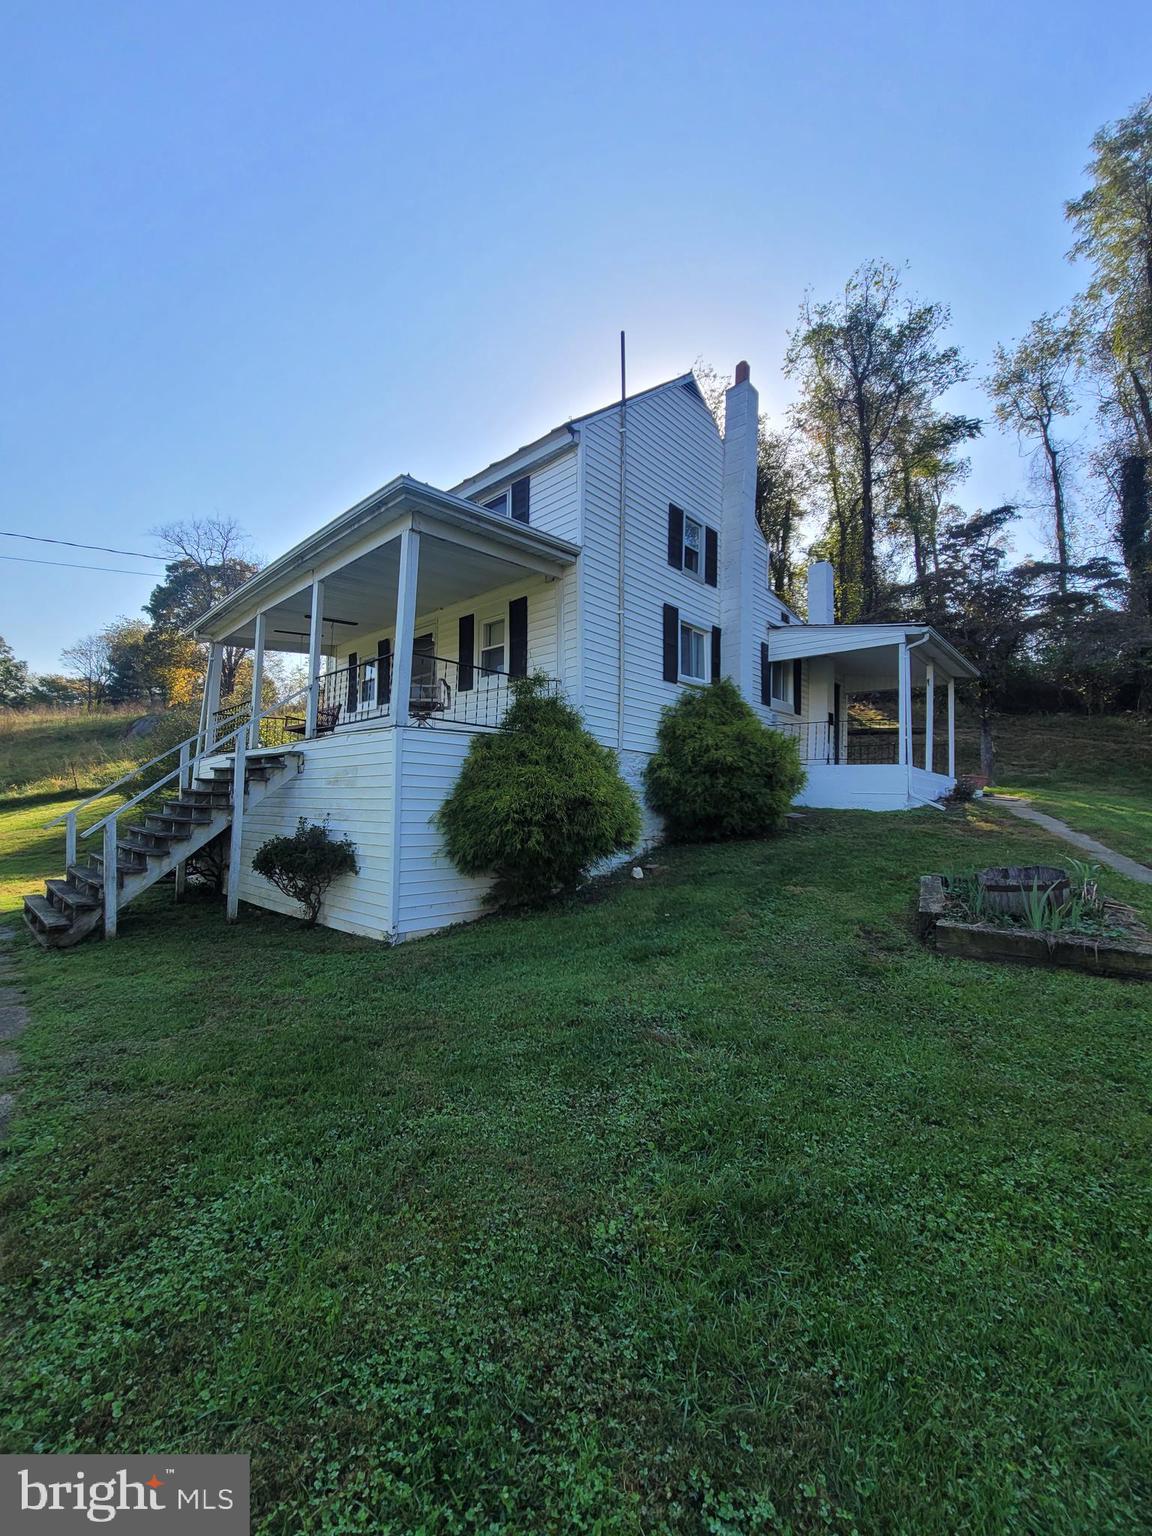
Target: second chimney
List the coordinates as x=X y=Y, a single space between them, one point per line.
x=821 y=593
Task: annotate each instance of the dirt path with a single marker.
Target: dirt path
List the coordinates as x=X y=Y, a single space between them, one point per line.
x=1120 y=862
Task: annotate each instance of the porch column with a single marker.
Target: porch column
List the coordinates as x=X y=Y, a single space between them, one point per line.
x=951 y=727
x=212 y=693
x=904 y=704
x=315 y=634
x=257 y=680
x=929 y=715
x=405 y=625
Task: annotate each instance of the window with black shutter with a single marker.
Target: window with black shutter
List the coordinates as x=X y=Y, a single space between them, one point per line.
x=711 y=557
x=384 y=668
x=671 y=646
x=353 y=697
x=675 y=538
x=715 y=652
x=765 y=675
x=797 y=687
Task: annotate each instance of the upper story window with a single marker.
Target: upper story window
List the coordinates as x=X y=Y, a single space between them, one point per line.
x=514 y=501
x=694 y=547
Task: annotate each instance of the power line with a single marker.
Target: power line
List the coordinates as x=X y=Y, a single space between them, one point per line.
x=41 y=538
x=71 y=565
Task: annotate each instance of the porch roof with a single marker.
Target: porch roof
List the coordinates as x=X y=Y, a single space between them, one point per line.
x=480 y=538
x=790 y=643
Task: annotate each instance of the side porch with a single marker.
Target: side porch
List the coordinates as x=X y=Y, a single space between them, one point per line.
x=899 y=751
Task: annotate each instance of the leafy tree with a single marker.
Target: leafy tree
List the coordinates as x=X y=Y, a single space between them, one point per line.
x=865 y=362
x=925 y=470
x=209 y=561
x=538 y=802
x=780 y=488
x=1113 y=221
x=91 y=659
x=13 y=677
x=717 y=771
x=1032 y=389
x=305 y=865
x=53 y=690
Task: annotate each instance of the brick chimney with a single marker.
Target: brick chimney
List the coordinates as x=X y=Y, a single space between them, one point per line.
x=741 y=544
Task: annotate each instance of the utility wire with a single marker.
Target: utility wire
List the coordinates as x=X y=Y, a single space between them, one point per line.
x=41 y=538
x=113 y=570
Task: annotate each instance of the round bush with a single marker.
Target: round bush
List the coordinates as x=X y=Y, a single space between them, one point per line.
x=717 y=771
x=538 y=801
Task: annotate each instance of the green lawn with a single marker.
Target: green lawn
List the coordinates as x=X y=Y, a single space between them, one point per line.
x=710 y=1203
x=1093 y=772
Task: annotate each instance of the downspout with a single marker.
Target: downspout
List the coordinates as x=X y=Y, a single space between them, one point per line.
x=620 y=556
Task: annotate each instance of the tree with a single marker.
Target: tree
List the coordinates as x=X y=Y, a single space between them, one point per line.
x=780 y=484
x=91 y=660
x=539 y=802
x=865 y=362
x=306 y=864
x=53 y=690
x=209 y=561
x=1134 y=533
x=924 y=472
x=13 y=677
x=1113 y=221
x=1032 y=388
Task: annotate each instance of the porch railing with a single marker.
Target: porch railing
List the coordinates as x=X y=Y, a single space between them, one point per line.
x=821 y=742
x=442 y=690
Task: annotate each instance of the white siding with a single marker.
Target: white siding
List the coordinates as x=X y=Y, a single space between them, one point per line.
x=432 y=893
x=673 y=455
x=347 y=777
x=553 y=503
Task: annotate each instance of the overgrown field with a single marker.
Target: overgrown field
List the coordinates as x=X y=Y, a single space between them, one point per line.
x=708 y=1203
x=65 y=750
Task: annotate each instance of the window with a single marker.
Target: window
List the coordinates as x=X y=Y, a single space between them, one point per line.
x=693 y=654
x=782 y=684
x=693 y=547
x=492 y=652
x=499 y=504
x=367 y=684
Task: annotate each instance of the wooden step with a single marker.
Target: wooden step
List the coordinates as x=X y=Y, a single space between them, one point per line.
x=45 y=915
x=69 y=898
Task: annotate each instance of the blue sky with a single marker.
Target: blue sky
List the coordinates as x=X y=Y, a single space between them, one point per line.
x=257 y=258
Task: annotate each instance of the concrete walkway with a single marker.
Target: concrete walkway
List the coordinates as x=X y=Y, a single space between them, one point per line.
x=1120 y=862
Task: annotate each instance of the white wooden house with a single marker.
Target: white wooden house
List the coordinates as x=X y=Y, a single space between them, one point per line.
x=619 y=555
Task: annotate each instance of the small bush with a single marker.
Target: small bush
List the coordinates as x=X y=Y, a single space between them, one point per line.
x=537 y=802
x=304 y=865
x=717 y=771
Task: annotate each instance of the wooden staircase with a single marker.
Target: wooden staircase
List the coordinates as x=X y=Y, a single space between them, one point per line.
x=148 y=850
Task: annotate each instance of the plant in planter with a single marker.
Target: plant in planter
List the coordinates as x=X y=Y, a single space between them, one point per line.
x=717 y=771
x=304 y=865
x=538 y=802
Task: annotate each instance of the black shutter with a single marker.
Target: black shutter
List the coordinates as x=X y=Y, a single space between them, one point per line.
x=384 y=669
x=518 y=637
x=521 y=490
x=711 y=551
x=715 y=652
x=797 y=695
x=765 y=675
x=671 y=644
x=353 y=682
x=466 y=652
x=675 y=538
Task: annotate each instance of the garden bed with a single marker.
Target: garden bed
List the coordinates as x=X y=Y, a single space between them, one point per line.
x=1109 y=940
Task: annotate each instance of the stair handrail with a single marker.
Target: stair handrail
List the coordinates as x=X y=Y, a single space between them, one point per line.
x=195 y=757
x=217 y=749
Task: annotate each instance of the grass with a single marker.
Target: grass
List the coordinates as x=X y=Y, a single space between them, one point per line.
x=69 y=750
x=1095 y=773
x=709 y=1203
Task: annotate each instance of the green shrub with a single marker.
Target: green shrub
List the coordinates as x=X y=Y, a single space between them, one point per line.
x=717 y=771
x=537 y=802
x=304 y=865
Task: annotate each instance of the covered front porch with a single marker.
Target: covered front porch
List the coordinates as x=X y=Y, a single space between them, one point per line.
x=415 y=609
x=898 y=752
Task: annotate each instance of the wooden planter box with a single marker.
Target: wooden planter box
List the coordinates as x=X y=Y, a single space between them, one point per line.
x=1130 y=957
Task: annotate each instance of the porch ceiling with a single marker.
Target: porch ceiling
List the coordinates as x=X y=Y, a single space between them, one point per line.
x=866 y=655
x=361 y=596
